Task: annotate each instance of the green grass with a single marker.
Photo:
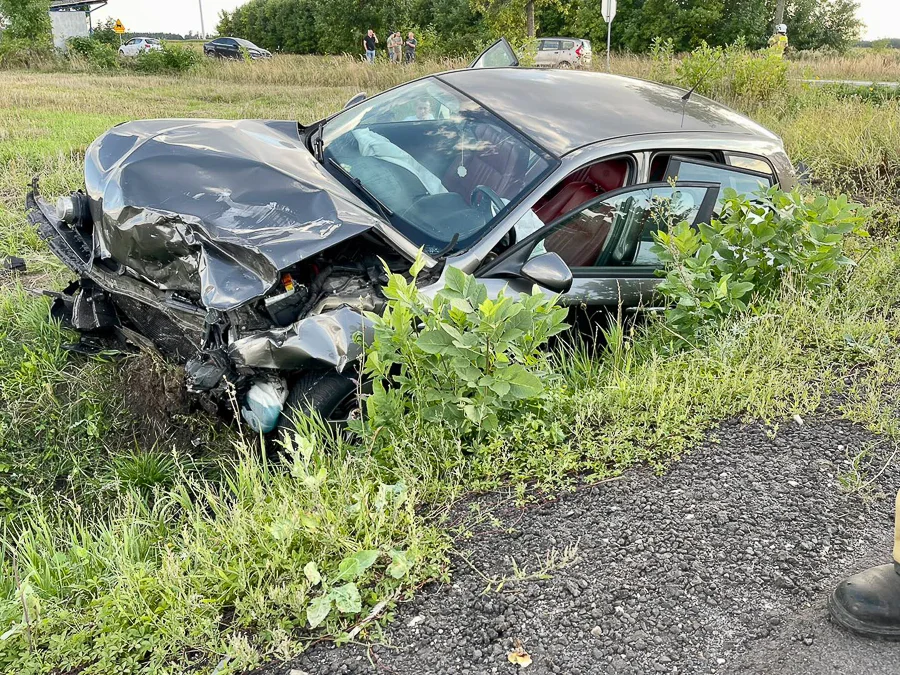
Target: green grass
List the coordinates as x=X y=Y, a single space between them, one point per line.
x=142 y=537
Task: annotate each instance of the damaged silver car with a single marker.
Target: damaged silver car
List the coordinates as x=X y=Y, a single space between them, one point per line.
x=249 y=250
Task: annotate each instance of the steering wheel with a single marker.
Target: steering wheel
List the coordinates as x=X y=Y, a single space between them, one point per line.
x=494 y=204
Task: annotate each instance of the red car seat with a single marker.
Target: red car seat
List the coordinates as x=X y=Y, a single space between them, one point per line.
x=583 y=186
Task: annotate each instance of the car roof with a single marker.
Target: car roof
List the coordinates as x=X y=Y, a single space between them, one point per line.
x=567 y=109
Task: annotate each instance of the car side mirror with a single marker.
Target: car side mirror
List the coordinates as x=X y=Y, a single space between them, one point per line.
x=550 y=271
x=359 y=98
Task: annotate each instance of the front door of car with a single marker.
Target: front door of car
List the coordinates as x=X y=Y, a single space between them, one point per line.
x=607 y=241
x=228 y=48
x=498 y=55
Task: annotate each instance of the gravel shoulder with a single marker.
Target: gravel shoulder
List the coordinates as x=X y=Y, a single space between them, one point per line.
x=722 y=565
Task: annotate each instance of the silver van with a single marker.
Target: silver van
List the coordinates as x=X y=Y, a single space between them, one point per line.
x=555 y=52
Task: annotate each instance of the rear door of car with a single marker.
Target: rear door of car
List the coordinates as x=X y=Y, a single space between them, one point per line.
x=567 y=53
x=607 y=242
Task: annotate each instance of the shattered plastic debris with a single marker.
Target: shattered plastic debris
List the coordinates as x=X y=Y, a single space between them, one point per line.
x=12 y=263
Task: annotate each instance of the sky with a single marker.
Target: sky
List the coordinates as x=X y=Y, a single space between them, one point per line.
x=882 y=17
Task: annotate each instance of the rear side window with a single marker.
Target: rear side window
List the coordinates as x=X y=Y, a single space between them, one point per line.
x=660 y=161
x=751 y=162
x=743 y=181
x=568 y=44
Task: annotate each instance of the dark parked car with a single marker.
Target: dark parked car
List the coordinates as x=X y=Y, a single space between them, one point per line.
x=234 y=48
x=249 y=250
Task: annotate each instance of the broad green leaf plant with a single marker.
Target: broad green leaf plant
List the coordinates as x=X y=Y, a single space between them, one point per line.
x=757 y=245
x=461 y=359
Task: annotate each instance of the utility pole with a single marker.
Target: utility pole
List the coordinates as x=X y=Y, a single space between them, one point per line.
x=779 y=12
x=203 y=28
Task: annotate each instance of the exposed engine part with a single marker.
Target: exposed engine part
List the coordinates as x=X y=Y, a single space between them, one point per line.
x=359 y=303
x=285 y=308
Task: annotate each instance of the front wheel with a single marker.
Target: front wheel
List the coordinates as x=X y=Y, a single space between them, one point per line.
x=329 y=393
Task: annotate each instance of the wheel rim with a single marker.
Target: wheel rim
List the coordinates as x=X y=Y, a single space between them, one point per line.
x=347 y=409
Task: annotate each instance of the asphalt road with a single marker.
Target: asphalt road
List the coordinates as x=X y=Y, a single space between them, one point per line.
x=723 y=565
x=854 y=83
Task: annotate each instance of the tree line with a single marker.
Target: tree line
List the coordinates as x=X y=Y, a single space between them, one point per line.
x=456 y=27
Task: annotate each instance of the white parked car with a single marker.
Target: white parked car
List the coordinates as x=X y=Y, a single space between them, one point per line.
x=557 y=52
x=139 y=45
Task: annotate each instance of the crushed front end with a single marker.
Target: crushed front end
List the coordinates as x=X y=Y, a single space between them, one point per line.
x=222 y=245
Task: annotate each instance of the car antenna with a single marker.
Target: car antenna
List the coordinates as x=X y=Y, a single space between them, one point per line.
x=690 y=92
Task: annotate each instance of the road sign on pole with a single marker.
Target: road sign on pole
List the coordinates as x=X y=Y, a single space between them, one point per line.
x=608 y=10
x=119 y=27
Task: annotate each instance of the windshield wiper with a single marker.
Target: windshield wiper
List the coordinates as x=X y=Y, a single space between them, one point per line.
x=383 y=210
x=444 y=252
x=318 y=147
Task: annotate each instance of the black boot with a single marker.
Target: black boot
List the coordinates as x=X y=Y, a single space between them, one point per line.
x=868 y=603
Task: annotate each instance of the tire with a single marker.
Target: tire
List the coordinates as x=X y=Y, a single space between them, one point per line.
x=565 y=65
x=326 y=392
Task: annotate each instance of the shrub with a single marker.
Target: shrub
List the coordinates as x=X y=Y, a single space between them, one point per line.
x=171 y=59
x=465 y=360
x=757 y=245
x=731 y=72
x=22 y=53
x=98 y=54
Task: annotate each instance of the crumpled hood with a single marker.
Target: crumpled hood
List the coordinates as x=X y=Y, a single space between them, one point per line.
x=215 y=207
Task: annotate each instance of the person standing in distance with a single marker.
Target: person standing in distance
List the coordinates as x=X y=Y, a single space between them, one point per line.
x=369 y=42
x=395 y=47
x=411 y=44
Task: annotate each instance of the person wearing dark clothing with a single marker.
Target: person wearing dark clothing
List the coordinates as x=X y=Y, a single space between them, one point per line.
x=369 y=42
x=411 y=44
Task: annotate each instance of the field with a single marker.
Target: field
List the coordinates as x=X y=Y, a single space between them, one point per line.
x=141 y=536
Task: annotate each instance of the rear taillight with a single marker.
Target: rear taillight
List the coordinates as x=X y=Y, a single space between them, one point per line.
x=578 y=51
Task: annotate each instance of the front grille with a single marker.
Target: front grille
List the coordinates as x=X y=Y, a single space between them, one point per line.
x=171 y=339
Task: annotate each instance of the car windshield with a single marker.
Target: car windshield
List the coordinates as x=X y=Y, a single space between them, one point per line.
x=445 y=167
x=152 y=41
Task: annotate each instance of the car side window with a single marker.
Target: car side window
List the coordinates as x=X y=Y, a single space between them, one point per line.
x=743 y=181
x=568 y=44
x=618 y=230
x=549 y=45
